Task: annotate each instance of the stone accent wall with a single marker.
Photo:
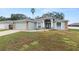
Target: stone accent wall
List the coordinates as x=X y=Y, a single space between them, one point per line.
x=66 y=25
x=26 y=25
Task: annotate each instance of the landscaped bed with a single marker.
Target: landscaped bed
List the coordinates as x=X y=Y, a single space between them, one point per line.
x=45 y=41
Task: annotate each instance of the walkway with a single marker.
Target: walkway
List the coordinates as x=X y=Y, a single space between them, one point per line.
x=2 y=33
x=42 y=30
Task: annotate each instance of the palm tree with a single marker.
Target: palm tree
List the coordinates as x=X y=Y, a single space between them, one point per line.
x=32 y=11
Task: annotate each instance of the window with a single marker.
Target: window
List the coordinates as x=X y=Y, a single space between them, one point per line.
x=58 y=24
x=39 y=25
x=53 y=20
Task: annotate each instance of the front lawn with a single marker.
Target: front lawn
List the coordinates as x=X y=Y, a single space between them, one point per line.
x=3 y=30
x=41 y=41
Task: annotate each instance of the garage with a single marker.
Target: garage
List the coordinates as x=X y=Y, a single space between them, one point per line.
x=31 y=26
x=20 y=26
x=4 y=26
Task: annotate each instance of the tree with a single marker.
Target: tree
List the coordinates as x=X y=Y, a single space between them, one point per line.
x=8 y=18
x=61 y=16
x=18 y=16
x=55 y=15
x=58 y=15
x=2 y=18
x=32 y=11
x=48 y=14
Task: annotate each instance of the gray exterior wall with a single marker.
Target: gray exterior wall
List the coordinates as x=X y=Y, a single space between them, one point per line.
x=28 y=24
x=31 y=26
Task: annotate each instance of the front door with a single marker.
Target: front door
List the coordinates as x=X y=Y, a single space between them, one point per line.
x=10 y=26
x=58 y=25
x=47 y=24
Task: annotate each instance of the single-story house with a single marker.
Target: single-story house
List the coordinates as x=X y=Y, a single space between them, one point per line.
x=37 y=23
x=73 y=26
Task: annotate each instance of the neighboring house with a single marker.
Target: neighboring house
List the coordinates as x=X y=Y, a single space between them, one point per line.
x=37 y=23
x=73 y=26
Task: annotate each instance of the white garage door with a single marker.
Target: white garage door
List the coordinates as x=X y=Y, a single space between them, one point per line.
x=3 y=26
x=21 y=26
x=31 y=26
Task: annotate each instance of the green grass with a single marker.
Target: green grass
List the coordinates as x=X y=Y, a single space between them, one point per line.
x=3 y=30
x=41 y=41
x=73 y=29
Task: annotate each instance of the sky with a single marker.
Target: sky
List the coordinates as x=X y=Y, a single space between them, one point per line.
x=71 y=14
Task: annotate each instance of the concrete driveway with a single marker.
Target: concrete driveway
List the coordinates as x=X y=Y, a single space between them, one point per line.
x=42 y=30
x=2 y=33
